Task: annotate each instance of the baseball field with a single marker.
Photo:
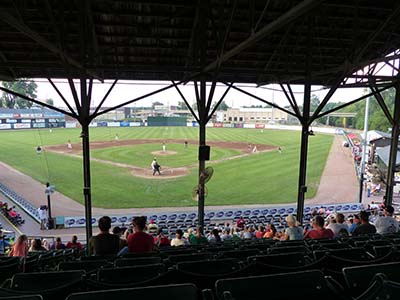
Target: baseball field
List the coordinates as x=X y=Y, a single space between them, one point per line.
x=248 y=168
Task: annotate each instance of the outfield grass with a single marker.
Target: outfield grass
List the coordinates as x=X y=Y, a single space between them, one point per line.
x=267 y=177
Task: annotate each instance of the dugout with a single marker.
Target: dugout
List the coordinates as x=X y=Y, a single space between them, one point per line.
x=166 y=121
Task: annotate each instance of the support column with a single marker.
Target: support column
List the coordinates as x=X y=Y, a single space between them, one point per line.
x=393 y=148
x=85 y=120
x=86 y=180
x=202 y=142
x=302 y=188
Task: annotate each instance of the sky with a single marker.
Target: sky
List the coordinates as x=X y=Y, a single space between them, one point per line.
x=127 y=90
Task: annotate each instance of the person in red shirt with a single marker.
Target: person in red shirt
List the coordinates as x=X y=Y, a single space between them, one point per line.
x=74 y=244
x=241 y=223
x=319 y=231
x=140 y=241
x=161 y=240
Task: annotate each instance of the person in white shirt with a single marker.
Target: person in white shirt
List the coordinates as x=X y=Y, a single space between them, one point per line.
x=339 y=228
x=387 y=223
x=178 y=240
x=42 y=211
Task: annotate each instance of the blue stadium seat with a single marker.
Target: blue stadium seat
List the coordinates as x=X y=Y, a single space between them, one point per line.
x=229 y=214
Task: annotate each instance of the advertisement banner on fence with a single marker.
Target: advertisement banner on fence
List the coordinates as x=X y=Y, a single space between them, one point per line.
x=39 y=125
x=93 y=124
x=135 y=124
x=195 y=124
x=70 y=125
x=260 y=126
x=5 y=126
x=124 y=124
x=238 y=125
x=249 y=125
x=22 y=125
x=218 y=125
x=102 y=124
x=113 y=124
x=227 y=125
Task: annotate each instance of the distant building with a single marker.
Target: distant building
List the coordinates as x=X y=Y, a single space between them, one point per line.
x=252 y=115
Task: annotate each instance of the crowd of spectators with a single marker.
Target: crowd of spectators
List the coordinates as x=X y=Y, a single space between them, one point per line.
x=142 y=236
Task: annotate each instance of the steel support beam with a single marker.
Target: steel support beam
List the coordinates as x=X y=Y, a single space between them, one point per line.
x=84 y=119
x=202 y=143
x=393 y=148
x=302 y=188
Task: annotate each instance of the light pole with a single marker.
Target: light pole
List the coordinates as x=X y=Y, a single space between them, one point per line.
x=48 y=191
x=364 y=151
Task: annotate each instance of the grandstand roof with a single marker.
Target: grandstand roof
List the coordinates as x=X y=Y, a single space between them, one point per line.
x=251 y=41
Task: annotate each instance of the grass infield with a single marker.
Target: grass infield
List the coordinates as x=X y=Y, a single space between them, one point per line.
x=262 y=178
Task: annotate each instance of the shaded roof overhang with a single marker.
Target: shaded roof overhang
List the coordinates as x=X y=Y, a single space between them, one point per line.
x=247 y=41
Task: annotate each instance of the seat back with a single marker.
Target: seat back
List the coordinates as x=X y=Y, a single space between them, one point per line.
x=87 y=266
x=210 y=267
x=238 y=254
x=295 y=259
x=130 y=275
x=177 y=292
x=27 y=297
x=174 y=259
x=303 y=285
x=359 y=278
x=126 y=262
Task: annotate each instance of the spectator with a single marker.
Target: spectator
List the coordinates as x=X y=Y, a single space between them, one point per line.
x=270 y=232
x=365 y=227
x=46 y=244
x=355 y=224
x=36 y=246
x=178 y=240
x=260 y=232
x=293 y=232
x=198 y=238
x=20 y=247
x=140 y=241
x=74 y=244
x=241 y=223
x=339 y=228
x=247 y=233
x=122 y=240
x=153 y=228
x=226 y=234
x=214 y=237
x=58 y=244
x=386 y=223
x=105 y=243
x=319 y=231
x=161 y=240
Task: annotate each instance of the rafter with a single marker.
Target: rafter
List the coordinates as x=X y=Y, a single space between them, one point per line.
x=12 y=21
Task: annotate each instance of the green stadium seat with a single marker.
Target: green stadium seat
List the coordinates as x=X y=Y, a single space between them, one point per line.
x=241 y=254
x=176 y=292
x=124 y=277
x=174 y=259
x=381 y=288
x=204 y=274
x=21 y=297
x=50 y=285
x=88 y=266
x=297 y=285
x=126 y=262
x=9 y=267
x=359 y=278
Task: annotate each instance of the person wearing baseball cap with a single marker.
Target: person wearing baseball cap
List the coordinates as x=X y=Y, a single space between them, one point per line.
x=387 y=223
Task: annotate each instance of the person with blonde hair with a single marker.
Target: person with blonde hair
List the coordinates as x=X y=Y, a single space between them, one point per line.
x=292 y=232
x=20 y=247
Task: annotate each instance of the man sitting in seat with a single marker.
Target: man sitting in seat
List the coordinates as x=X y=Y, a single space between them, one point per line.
x=387 y=223
x=365 y=227
x=319 y=231
x=105 y=243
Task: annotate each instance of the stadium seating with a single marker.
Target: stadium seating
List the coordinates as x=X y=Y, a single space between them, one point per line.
x=177 y=292
x=359 y=278
x=297 y=285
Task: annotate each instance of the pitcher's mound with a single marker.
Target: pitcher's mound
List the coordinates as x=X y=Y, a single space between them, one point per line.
x=163 y=153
